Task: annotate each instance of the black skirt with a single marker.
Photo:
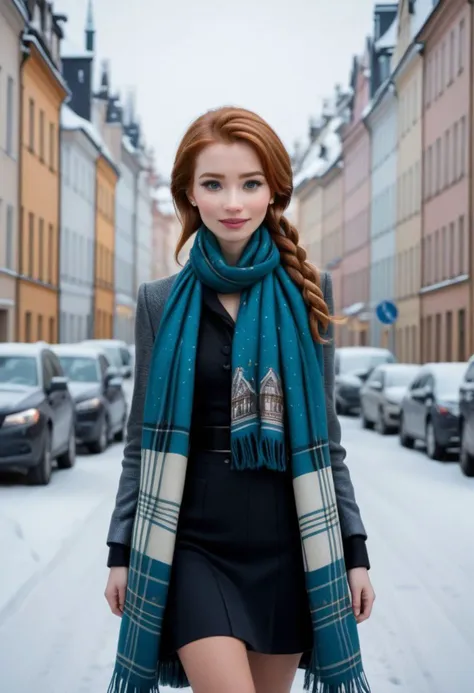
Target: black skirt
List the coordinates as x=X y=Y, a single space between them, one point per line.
x=238 y=566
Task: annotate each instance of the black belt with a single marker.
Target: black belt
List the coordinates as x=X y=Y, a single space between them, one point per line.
x=211 y=438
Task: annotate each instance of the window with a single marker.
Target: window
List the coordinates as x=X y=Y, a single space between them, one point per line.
x=461 y=249
x=462 y=334
x=40 y=328
x=27 y=327
x=438 y=180
x=462 y=34
x=451 y=57
x=52 y=331
x=449 y=336
x=41 y=136
x=50 y=253
x=462 y=154
x=436 y=256
x=436 y=75
x=10 y=235
x=443 y=253
x=443 y=66
x=10 y=116
x=52 y=147
x=429 y=171
x=41 y=249
x=429 y=339
x=452 y=269
x=31 y=243
x=438 y=337
x=447 y=154
x=32 y=126
x=455 y=153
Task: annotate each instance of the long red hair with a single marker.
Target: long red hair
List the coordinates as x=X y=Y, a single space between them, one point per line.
x=229 y=125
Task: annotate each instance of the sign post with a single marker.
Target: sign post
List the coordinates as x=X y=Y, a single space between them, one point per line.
x=387 y=313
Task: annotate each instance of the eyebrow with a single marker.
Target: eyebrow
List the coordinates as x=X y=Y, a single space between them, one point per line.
x=219 y=175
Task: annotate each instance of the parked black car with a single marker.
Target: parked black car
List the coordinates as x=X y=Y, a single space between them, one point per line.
x=96 y=386
x=36 y=412
x=117 y=352
x=430 y=409
x=353 y=365
x=466 y=420
x=382 y=393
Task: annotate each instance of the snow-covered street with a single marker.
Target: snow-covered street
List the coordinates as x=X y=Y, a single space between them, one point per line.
x=57 y=635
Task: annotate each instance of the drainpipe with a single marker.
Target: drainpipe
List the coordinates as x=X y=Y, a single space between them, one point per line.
x=25 y=54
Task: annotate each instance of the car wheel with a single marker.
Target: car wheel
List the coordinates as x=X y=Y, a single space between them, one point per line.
x=41 y=474
x=68 y=458
x=466 y=460
x=366 y=424
x=121 y=435
x=102 y=441
x=380 y=424
x=405 y=440
x=433 y=450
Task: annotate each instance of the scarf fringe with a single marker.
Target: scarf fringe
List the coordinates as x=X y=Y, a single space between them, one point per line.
x=248 y=452
x=119 y=685
x=172 y=674
x=313 y=683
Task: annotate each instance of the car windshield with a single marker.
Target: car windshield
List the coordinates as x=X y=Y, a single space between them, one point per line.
x=358 y=362
x=400 y=377
x=80 y=369
x=448 y=380
x=18 y=370
x=114 y=356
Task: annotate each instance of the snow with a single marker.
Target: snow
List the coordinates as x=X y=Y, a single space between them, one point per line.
x=71 y=121
x=420 y=524
x=128 y=145
x=389 y=39
x=69 y=49
x=315 y=165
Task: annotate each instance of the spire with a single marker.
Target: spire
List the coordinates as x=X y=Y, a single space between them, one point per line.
x=90 y=29
x=104 y=81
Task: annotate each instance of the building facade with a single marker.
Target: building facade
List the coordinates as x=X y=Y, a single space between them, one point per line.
x=332 y=185
x=166 y=230
x=382 y=122
x=13 y=19
x=446 y=245
x=43 y=92
x=356 y=230
x=408 y=80
x=144 y=244
x=104 y=265
x=79 y=153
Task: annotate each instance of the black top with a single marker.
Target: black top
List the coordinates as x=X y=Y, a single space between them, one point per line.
x=214 y=374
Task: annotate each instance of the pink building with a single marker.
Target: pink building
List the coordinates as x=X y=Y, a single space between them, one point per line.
x=445 y=292
x=355 y=268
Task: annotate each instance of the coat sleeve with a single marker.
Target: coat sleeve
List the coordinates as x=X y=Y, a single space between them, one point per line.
x=349 y=513
x=121 y=524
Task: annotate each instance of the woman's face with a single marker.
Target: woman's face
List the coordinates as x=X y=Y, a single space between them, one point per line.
x=231 y=194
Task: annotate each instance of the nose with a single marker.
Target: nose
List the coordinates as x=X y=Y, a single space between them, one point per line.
x=233 y=202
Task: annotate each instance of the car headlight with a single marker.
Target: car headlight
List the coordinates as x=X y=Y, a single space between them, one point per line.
x=93 y=403
x=22 y=418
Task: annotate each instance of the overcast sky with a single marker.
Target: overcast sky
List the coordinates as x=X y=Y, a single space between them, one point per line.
x=279 y=58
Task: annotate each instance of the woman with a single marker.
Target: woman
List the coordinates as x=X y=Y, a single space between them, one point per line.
x=247 y=554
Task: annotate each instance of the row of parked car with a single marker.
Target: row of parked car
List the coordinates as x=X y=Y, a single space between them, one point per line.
x=432 y=403
x=54 y=396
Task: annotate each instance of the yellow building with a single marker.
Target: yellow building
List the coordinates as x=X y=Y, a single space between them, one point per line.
x=43 y=91
x=104 y=291
x=407 y=64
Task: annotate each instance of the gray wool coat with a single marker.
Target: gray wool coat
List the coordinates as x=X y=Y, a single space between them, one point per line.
x=152 y=297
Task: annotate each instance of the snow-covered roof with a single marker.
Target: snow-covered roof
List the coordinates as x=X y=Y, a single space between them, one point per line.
x=423 y=10
x=164 y=199
x=69 y=49
x=128 y=145
x=20 y=5
x=71 y=121
x=316 y=165
x=389 y=39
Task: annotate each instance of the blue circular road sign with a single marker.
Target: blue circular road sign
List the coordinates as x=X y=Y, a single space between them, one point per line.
x=387 y=312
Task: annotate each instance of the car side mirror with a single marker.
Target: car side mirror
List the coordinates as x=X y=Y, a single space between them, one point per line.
x=376 y=386
x=58 y=384
x=110 y=374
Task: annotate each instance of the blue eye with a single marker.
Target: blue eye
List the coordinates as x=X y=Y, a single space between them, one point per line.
x=208 y=183
x=255 y=183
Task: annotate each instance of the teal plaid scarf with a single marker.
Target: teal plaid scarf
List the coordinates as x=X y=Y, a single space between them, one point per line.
x=278 y=412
